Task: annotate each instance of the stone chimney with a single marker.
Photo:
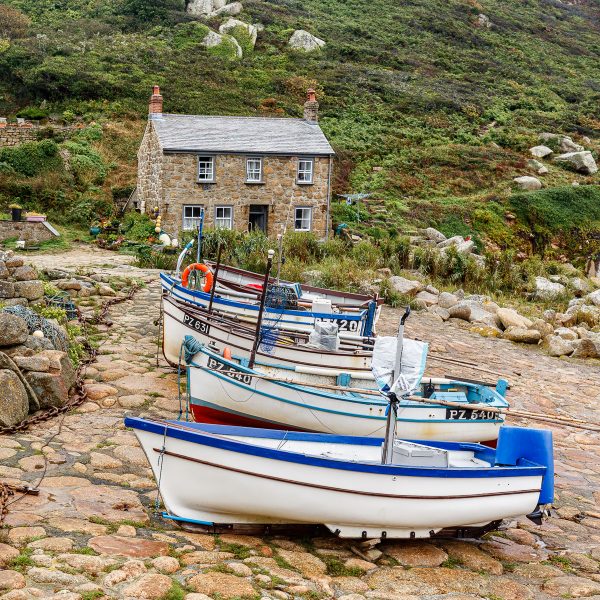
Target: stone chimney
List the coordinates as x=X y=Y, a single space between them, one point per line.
x=156 y=102
x=311 y=107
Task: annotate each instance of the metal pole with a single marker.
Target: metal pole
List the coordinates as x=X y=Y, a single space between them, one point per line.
x=400 y=346
x=390 y=429
x=390 y=426
x=263 y=299
x=200 y=228
x=214 y=287
x=280 y=240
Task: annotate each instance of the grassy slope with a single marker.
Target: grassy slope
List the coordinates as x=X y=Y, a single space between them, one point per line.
x=446 y=108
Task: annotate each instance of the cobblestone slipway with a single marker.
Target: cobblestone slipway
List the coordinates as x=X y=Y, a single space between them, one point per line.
x=91 y=532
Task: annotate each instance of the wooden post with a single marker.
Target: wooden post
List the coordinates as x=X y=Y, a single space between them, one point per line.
x=214 y=286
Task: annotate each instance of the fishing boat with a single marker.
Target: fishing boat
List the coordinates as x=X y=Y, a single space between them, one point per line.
x=217 y=330
x=308 y=398
x=248 y=282
x=220 y=476
x=359 y=321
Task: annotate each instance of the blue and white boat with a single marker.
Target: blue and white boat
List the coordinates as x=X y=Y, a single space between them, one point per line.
x=227 y=391
x=352 y=321
x=215 y=475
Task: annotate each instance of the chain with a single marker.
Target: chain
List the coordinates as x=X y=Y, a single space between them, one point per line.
x=78 y=397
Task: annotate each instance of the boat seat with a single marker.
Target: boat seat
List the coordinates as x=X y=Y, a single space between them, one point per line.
x=450 y=396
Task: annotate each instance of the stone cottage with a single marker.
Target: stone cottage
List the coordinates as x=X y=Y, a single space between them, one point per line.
x=248 y=173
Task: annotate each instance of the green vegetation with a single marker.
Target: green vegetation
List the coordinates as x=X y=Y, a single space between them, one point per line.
x=22 y=561
x=428 y=110
x=336 y=568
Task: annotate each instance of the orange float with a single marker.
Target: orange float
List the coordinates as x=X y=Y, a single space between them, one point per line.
x=185 y=277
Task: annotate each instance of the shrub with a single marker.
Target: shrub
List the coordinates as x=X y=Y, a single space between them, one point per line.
x=32 y=158
x=137 y=227
x=558 y=212
x=33 y=113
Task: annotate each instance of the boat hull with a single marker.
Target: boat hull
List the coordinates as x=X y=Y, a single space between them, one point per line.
x=212 y=482
x=226 y=393
x=180 y=321
x=359 y=322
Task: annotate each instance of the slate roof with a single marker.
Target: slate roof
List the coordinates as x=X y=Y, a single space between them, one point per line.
x=247 y=135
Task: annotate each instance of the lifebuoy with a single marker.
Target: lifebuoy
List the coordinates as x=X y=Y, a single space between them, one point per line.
x=198 y=267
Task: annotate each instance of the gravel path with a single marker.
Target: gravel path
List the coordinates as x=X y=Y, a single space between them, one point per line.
x=92 y=531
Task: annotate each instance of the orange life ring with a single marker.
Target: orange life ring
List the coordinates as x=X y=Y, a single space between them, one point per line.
x=198 y=267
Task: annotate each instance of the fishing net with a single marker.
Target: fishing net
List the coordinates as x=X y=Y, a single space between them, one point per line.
x=278 y=299
x=36 y=322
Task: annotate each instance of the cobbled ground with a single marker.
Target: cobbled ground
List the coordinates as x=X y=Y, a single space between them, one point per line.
x=92 y=532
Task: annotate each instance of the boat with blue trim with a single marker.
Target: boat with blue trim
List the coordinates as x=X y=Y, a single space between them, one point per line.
x=227 y=391
x=359 y=320
x=287 y=347
x=214 y=475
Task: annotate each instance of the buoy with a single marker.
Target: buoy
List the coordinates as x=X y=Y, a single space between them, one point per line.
x=164 y=239
x=227 y=352
x=38 y=334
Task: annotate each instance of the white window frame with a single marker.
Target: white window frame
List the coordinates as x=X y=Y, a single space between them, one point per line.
x=302 y=172
x=222 y=222
x=260 y=169
x=303 y=218
x=190 y=223
x=208 y=175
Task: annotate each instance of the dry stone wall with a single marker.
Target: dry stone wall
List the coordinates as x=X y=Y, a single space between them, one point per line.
x=30 y=231
x=13 y=134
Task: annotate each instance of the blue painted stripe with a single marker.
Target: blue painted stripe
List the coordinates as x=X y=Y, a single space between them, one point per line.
x=212 y=435
x=173 y=285
x=166 y=515
x=200 y=402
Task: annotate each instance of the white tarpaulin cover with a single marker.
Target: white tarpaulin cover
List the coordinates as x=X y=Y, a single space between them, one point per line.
x=414 y=356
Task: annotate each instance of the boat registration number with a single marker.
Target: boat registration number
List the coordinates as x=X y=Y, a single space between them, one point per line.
x=465 y=414
x=196 y=324
x=229 y=371
x=343 y=324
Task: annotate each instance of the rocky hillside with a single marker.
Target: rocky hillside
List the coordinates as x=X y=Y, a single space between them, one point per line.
x=432 y=105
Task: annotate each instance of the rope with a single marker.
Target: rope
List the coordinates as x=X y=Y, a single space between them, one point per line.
x=161 y=459
x=191 y=346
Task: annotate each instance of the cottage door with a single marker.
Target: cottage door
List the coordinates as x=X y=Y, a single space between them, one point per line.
x=257 y=218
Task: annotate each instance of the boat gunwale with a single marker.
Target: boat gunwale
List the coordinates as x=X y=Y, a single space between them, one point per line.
x=361 y=317
x=309 y=288
x=214 y=436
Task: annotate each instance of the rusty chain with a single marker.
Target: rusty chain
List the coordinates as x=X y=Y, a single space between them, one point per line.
x=78 y=397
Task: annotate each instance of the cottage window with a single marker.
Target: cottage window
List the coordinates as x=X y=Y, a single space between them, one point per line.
x=303 y=218
x=254 y=170
x=191 y=217
x=224 y=217
x=206 y=168
x=305 y=170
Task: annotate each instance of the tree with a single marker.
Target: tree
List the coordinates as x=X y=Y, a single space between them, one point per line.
x=13 y=23
x=149 y=11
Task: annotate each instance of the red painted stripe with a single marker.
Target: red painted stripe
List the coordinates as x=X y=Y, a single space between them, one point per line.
x=203 y=414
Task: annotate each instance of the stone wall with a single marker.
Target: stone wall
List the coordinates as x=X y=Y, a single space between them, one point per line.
x=149 y=183
x=25 y=230
x=13 y=134
x=279 y=191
